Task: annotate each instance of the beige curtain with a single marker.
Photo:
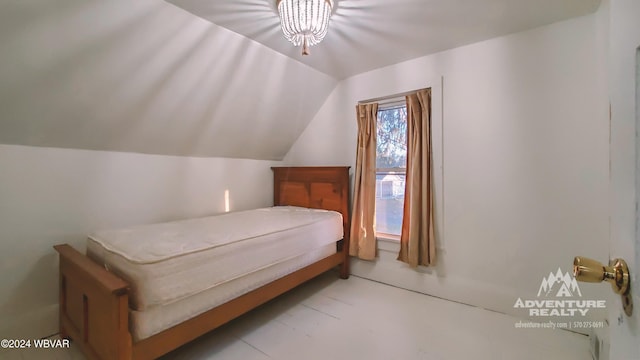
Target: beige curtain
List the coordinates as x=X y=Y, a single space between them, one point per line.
x=417 y=240
x=363 y=237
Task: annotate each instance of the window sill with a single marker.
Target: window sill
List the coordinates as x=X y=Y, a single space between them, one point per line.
x=388 y=237
x=388 y=242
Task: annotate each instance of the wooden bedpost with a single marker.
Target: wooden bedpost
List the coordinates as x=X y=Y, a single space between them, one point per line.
x=94 y=307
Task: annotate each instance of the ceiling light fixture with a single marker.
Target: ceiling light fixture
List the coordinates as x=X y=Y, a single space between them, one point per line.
x=304 y=22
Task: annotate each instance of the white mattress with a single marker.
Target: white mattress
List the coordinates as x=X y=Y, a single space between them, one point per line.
x=158 y=318
x=170 y=261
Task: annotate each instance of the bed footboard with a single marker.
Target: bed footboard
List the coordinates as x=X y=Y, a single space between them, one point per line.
x=93 y=307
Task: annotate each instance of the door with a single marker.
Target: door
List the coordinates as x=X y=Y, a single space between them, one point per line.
x=624 y=92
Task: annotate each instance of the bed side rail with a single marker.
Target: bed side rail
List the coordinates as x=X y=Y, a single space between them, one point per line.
x=93 y=307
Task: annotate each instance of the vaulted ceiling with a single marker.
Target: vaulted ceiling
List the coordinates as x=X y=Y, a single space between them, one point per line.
x=369 y=34
x=144 y=76
x=216 y=80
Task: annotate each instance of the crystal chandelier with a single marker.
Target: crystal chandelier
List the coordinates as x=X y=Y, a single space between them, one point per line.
x=304 y=22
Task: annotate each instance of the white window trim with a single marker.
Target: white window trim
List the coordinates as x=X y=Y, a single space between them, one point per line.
x=388 y=244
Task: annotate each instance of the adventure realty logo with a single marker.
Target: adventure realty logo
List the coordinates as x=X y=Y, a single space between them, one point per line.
x=559 y=295
x=566 y=285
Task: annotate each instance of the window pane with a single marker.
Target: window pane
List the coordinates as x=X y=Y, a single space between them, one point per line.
x=389 y=202
x=391 y=147
x=391 y=158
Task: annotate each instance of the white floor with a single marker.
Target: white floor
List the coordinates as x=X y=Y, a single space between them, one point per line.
x=329 y=318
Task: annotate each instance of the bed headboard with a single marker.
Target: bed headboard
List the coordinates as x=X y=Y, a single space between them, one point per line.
x=319 y=187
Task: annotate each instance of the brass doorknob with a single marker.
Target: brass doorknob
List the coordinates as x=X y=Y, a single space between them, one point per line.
x=589 y=270
x=616 y=273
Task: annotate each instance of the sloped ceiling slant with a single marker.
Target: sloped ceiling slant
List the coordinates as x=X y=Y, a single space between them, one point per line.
x=147 y=77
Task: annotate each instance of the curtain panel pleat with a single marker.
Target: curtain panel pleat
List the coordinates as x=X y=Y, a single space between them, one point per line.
x=417 y=240
x=363 y=238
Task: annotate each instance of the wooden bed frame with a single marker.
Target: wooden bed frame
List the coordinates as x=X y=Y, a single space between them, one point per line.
x=94 y=309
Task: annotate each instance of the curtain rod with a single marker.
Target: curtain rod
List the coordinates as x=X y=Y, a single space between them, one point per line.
x=390 y=98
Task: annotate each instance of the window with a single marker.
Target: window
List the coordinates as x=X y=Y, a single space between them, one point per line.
x=391 y=160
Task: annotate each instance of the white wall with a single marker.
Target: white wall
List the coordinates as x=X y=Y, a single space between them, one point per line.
x=525 y=159
x=51 y=196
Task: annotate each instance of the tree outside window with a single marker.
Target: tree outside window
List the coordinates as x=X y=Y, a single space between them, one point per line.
x=391 y=160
